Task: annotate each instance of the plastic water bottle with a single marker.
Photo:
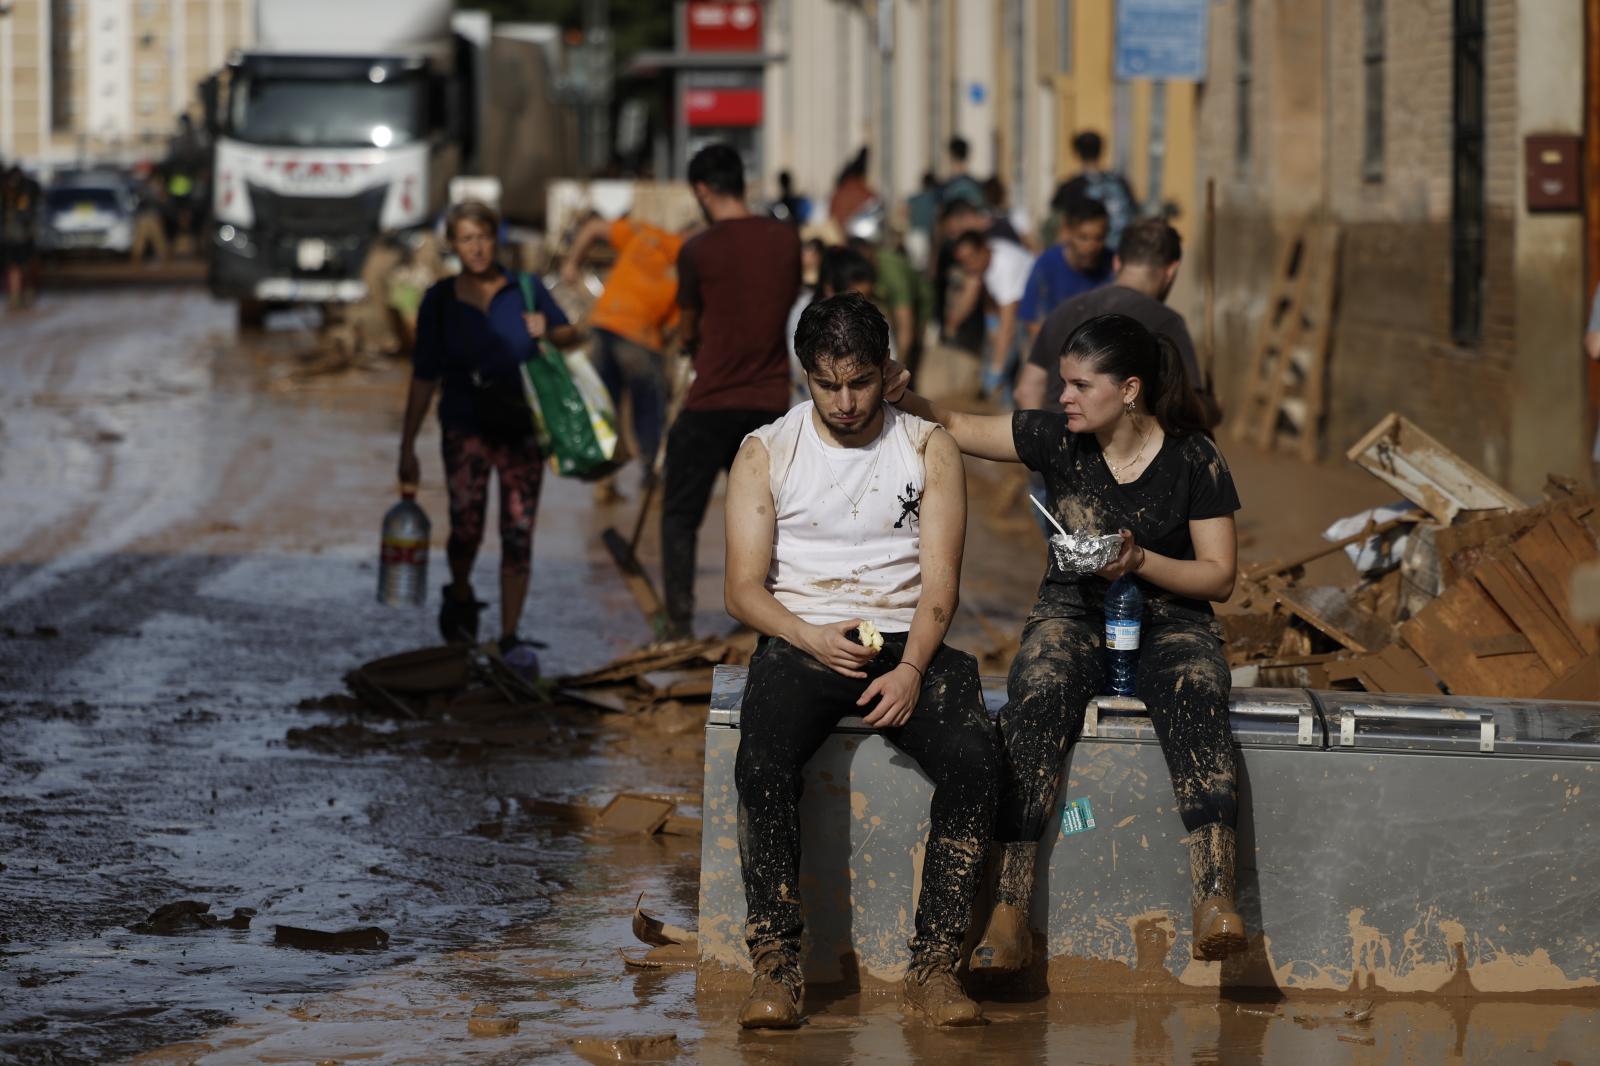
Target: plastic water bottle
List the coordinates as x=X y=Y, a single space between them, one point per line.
x=403 y=557
x=1124 y=613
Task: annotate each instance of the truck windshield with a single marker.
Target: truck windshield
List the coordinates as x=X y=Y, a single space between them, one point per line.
x=327 y=113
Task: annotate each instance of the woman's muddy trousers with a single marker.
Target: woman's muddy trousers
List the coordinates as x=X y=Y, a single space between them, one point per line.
x=791 y=705
x=1184 y=683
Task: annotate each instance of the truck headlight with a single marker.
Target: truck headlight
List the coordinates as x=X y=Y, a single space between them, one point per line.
x=235 y=240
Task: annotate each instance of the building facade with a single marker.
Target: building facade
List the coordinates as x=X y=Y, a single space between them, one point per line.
x=1461 y=297
x=85 y=81
x=1016 y=78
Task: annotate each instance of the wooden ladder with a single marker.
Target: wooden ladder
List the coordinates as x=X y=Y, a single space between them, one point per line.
x=1285 y=394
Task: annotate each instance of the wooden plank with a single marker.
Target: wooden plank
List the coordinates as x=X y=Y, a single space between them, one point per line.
x=1525 y=605
x=629 y=813
x=1394 y=669
x=1424 y=471
x=1265 y=569
x=1509 y=644
x=1548 y=561
x=1331 y=611
x=1442 y=635
x=1583 y=683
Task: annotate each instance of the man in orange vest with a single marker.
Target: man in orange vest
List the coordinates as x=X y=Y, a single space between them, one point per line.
x=632 y=318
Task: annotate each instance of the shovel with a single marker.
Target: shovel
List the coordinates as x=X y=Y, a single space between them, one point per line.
x=624 y=551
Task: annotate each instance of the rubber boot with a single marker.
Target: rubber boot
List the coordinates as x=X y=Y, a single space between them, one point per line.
x=933 y=991
x=1007 y=944
x=775 y=992
x=1218 y=929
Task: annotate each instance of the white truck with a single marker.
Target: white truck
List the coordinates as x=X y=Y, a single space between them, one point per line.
x=347 y=120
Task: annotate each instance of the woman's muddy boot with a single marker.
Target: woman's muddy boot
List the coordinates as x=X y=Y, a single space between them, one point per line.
x=933 y=991
x=776 y=991
x=1007 y=944
x=1218 y=929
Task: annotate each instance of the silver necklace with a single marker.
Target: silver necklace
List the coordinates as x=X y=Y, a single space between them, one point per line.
x=866 y=485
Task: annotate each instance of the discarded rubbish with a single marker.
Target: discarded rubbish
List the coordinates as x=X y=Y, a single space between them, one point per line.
x=187 y=916
x=370 y=938
x=670 y=945
x=492 y=1026
x=627 y=813
x=1480 y=601
x=625 y=1048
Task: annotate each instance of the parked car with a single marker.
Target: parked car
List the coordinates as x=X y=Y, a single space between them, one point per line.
x=89 y=213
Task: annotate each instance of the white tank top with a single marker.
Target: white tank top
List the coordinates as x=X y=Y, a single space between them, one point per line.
x=848 y=540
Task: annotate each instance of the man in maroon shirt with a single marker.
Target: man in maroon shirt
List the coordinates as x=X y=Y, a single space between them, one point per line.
x=736 y=283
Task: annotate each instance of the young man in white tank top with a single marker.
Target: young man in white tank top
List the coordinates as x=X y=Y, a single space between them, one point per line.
x=843 y=512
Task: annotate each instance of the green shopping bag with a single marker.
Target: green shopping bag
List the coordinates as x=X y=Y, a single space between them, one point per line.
x=573 y=417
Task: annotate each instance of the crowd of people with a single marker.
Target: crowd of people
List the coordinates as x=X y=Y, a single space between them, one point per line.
x=846 y=505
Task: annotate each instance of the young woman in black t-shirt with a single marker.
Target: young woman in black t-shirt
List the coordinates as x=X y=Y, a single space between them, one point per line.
x=1130 y=455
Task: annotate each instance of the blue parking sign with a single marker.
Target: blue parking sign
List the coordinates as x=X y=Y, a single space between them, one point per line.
x=1162 y=40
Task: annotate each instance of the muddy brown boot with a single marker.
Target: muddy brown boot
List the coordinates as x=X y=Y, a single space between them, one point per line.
x=775 y=993
x=1007 y=944
x=1218 y=929
x=933 y=991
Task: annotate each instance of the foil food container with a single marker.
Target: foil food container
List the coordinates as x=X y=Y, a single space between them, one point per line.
x=1084 y=553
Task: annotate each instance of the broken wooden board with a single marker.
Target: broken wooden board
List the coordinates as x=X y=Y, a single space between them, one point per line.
x=652 y=658
x=1582 y=684
x=630 y=813
x=1444 y=633
x=1427 y=473
x=1334 y=612
x=679 y=684
x=1394 y=669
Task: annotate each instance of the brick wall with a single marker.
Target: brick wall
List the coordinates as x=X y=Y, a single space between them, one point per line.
x=1392 y=347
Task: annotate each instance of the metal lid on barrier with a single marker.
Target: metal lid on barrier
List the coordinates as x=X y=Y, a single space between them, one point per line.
x=1483 y=725
x=1260 y=718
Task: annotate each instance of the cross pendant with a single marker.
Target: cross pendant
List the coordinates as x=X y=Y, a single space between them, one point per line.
x=854 y=513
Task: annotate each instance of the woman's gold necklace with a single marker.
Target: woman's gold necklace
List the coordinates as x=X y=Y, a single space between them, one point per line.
x=1118 y=471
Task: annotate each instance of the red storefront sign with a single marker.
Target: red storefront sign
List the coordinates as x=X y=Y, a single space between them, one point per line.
x=723 y=26
x=722 y=107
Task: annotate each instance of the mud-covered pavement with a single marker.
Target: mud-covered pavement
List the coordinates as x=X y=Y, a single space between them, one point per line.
x=187 y=546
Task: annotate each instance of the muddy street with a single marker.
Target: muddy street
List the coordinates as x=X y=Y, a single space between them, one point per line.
x=187 y=567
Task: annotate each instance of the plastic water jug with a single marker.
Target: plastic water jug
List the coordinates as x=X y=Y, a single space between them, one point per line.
x=403 y=558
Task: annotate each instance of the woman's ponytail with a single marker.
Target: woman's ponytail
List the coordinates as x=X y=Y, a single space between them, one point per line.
x=1174 y=401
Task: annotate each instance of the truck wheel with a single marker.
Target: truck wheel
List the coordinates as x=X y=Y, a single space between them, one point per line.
x=252 y=315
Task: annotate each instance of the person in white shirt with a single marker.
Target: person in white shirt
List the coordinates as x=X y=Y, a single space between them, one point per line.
x=996 y=269
x=842 y=513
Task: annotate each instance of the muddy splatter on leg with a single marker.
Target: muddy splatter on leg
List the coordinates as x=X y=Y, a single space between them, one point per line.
x=951 y=738
x=790 y=705
x=1058 y=668
x=1185 y=684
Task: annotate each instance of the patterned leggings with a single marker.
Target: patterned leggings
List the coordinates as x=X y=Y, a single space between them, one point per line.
x=468 y=461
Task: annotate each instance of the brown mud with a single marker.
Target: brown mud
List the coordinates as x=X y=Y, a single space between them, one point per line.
x=186 y=572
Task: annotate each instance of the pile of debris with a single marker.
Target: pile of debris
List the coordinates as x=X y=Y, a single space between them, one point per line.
x=456 y=700
x=1465 y=589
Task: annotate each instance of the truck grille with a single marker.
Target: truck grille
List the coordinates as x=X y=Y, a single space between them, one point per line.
x=347 y=223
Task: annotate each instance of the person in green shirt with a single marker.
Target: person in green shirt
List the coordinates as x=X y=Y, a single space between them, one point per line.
x=902 y=293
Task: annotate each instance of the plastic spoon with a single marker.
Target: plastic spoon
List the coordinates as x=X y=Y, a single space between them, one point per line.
x=1035 y=501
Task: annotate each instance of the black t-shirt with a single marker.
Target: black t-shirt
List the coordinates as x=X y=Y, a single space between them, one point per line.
x=1061 y=323
x=1187 y=480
